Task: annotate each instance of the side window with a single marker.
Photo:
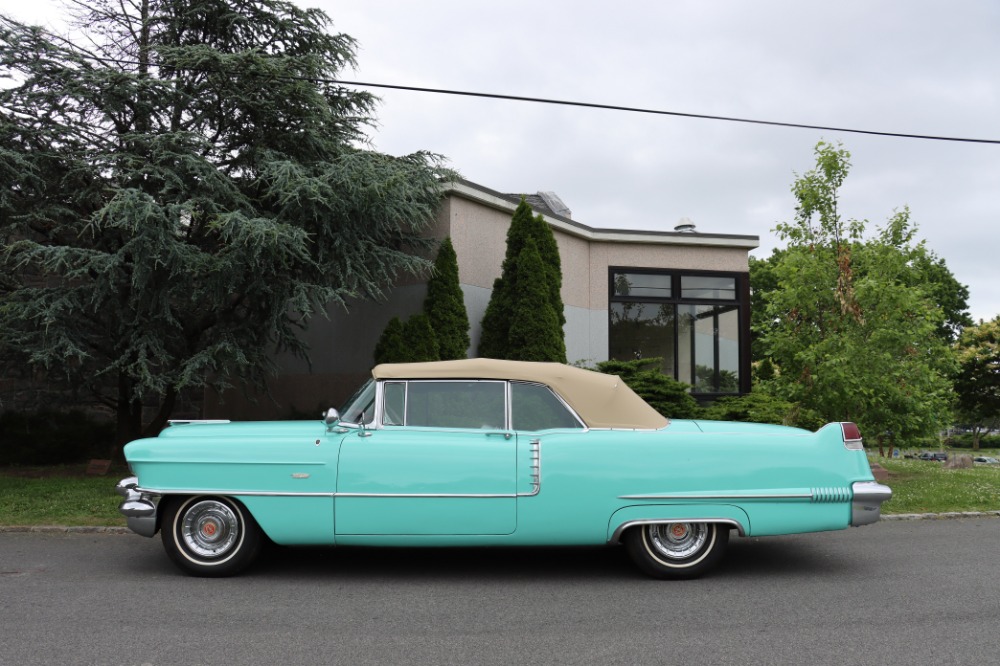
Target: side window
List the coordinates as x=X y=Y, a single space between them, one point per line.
x=394 y=395
x=456 y=404
x=534 y=407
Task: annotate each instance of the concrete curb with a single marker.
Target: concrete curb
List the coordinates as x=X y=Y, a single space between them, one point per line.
x=65 y=529
x=942 y=516
x=98 y=529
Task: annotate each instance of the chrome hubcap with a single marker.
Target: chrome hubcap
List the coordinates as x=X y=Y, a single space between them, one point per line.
x=677 y=541
x=210 y=528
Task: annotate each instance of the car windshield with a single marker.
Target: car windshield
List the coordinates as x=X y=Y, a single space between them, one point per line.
x=361 y=406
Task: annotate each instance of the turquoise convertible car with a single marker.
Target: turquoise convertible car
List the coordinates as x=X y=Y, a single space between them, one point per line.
x=484 y=452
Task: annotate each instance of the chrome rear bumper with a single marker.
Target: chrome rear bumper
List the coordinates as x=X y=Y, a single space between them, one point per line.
x=139 y=508
x=866 y=507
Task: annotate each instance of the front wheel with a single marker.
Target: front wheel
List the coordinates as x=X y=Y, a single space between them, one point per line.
x=676 y=550
x=210 y=536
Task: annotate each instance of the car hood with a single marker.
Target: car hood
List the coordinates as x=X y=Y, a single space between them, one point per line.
x=243 y=429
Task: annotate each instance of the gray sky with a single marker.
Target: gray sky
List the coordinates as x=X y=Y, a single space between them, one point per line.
x=909 y=66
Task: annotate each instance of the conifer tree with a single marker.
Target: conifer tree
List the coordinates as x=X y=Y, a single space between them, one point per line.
x=445 y=305
x=420 y=340
x=391 y=347
x=500 y=312
x=534 y=333
x=183 y=190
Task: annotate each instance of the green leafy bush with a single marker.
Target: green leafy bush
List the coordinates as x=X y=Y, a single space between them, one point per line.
x=664 y=394
x=760 y=407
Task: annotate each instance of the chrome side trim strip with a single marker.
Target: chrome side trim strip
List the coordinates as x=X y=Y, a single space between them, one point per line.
x=275 y=493
x=719 y=496
x=231 y=492
x=616 y=535
x=440 y=495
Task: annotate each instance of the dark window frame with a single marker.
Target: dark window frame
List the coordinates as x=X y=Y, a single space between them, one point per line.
x=741 y=301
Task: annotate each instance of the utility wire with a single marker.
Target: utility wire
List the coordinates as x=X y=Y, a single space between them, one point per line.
x=588 y=105
x=680 y=114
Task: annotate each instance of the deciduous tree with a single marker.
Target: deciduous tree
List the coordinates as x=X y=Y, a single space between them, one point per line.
x=977 y=381
x=853 y=336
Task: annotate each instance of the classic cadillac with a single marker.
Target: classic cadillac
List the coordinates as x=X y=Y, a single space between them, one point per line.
x=485 y=452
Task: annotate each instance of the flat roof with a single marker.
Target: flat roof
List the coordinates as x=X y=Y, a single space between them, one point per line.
x=508 y=203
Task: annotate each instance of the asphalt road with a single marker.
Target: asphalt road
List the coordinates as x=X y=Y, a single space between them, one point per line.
x=902 y=592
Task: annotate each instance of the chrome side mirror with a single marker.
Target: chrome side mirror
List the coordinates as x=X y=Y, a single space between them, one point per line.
x=331 y=417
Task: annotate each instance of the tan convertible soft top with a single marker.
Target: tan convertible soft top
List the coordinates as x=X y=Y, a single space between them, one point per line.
x=602 y=401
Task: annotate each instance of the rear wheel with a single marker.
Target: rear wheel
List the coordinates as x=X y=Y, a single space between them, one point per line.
x=677 y=550
x=210 y=536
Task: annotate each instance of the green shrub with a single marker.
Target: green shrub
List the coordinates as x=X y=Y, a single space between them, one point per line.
x=965 y=441
x=53 y=438
x=663 y=393
x=760 y=407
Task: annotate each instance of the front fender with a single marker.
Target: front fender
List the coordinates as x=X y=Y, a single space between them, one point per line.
x=629 y=516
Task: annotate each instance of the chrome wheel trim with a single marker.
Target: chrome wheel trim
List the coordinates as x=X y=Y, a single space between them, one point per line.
x=210 y=529
x=672 y=543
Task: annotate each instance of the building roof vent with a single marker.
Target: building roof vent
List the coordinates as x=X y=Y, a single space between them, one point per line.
x=685 y=226
x=556 y=204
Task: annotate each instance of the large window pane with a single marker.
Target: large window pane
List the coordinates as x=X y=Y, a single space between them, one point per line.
x=642 y=285
x=707 y=287
x=708 y=348
x=642 y=330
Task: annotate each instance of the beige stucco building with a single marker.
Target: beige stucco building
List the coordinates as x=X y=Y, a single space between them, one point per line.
x=681 y=295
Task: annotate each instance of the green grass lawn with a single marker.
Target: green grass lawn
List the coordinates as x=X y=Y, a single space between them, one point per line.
x=66 y=496
x=921 y=486
x=58 y=496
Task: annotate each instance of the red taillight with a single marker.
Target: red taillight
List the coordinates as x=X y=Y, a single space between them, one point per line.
x=852 y=436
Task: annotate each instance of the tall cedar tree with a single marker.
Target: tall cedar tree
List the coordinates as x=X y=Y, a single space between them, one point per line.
x=445 y=305
x=494 y=341
x=183 y=190
x=534 y=334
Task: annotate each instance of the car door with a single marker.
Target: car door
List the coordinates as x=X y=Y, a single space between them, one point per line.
x=441 y=462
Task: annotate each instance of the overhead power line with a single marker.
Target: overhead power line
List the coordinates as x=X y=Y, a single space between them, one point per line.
x=680 y=114
x=588 y=105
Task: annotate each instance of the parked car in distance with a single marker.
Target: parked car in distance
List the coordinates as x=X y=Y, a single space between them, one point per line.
x=986 y=460
x=483 y=452
x=934 y=455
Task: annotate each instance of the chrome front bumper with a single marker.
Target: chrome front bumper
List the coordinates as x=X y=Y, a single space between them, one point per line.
x=866 y=507
x=139 y=508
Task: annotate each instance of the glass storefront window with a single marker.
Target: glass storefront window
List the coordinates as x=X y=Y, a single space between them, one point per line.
x=643 y=330
x=708 y=349
x=658 y=315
